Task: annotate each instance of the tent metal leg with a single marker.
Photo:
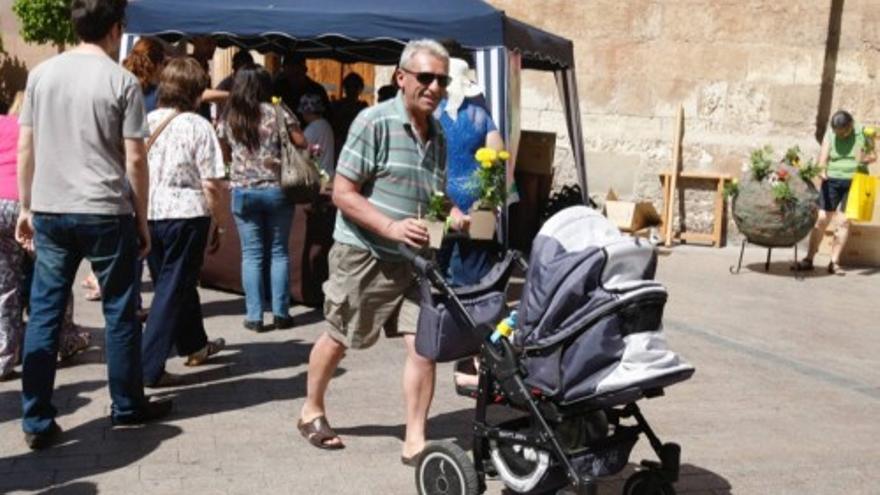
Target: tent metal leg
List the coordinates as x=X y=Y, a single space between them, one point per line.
x=767 y=263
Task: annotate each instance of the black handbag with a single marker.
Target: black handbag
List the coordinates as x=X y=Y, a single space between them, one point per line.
x=300 y=179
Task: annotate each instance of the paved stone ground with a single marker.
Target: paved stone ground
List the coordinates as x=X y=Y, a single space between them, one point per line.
x=784 y=400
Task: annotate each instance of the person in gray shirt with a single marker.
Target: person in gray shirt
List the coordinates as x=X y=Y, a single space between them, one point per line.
x=83 y=184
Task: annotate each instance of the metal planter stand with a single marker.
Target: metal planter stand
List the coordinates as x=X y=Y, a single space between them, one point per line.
x=742 y=250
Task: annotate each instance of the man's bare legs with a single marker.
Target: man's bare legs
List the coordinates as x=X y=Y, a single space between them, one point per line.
x=323 y=361
x=418 y=392
x=418 y=388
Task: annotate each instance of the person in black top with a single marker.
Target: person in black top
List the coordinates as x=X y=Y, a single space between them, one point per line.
x=293 y=82
x=345 y=109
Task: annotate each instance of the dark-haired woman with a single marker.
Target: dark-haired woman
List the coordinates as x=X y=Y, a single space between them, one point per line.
x=262 y=214
x=186 y=168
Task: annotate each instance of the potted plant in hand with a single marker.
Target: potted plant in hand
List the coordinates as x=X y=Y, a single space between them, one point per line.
x=489 y=181
x=436 y=218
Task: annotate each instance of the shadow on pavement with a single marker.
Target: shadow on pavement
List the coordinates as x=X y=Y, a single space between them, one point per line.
x=87 y=450
x=315 y=315
x=67 y=395
x=692 y=479
x=235 y=306
x=93 y=448
x=456 y=426
x=783 y=269
x=696 y=479
x=77 y=488
x=234 y=380
x=224 y=307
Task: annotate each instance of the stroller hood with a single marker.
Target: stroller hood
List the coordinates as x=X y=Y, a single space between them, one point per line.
x=590 y=314
x=577 y=253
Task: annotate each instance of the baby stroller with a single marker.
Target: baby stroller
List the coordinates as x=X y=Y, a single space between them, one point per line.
x=588 y=346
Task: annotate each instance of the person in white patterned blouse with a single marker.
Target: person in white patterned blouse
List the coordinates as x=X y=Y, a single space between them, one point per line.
x=186 y=172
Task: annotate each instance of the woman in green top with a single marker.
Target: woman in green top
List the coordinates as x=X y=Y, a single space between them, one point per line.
x=845 y=150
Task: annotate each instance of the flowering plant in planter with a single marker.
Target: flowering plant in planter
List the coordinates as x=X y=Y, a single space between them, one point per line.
x=489 y=178
x=489 y=182
x=774 y=203
x=761 y=167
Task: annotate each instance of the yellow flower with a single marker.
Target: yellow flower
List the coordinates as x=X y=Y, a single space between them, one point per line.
x=486 y=155
x=487 y=164
x=735 y=182
x=870 y=132
x=276 y=100
x=503 y=155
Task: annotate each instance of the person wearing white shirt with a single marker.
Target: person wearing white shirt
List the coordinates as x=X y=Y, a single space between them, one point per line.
x=318 y=130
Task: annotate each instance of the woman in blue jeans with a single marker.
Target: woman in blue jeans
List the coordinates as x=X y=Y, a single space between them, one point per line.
x=249 y=131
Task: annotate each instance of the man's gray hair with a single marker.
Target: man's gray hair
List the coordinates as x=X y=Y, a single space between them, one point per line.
x=423 y=45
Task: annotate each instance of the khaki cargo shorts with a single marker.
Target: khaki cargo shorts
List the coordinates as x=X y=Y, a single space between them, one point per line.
x=365 y=294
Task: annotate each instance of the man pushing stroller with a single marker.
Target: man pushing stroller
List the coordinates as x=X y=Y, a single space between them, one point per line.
x=393 y=160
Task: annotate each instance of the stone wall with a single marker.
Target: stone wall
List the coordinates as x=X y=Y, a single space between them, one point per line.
x=748 y=73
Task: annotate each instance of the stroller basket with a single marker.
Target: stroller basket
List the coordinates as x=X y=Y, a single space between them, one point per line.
x=608 y=456
x=443 y=335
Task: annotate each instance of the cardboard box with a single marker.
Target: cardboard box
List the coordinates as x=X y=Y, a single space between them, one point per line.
x=630 y=216
x=536 y=152
x=862 y=246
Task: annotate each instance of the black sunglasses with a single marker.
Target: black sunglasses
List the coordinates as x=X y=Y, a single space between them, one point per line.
x=426 y=78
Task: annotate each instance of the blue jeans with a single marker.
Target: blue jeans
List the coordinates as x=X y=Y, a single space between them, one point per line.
x=110 y=243
x=263 y=218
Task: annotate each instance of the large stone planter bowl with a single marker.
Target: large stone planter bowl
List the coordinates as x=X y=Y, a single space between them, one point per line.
x=770 y=223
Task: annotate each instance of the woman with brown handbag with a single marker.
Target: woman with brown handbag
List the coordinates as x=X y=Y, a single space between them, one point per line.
x=263 y=215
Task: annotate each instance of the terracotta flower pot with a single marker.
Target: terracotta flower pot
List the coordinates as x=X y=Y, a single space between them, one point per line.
x=436 y=230
x=482 y=225
x=765 y=221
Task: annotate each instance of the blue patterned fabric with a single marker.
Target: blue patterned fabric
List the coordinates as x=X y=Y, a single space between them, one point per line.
x=464 y=136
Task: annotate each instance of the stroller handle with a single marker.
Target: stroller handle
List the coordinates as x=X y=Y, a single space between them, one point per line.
x=425 y=268
x=422 y=265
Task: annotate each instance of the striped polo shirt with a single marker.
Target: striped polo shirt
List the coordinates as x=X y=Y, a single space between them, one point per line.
x=396 y=171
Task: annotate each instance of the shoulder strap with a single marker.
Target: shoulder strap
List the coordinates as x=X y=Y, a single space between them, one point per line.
x=281 y=124
x=161 y=128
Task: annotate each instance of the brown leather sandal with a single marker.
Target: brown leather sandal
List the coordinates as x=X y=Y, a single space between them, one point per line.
x=318 y=432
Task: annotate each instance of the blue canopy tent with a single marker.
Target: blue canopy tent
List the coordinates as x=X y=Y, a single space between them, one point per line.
x=375 y=31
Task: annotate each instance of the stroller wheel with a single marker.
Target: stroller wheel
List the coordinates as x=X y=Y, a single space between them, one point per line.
x=647 y=483
x=445 y=469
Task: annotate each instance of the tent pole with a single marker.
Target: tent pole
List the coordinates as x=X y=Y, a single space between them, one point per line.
x=566 y=82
